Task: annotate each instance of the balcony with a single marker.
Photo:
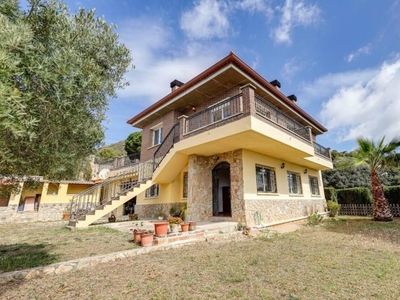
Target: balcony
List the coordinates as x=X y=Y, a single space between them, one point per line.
x=237 y=107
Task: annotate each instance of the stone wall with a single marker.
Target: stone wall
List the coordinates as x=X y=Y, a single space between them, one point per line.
x=148 y=211
x=275 y=210
x=47 y=212
x=200 y=185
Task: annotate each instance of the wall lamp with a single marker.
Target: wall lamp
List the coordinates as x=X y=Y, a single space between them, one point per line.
x=193 y=108
x=305 y=171
x=215 y=159
x=282 y=165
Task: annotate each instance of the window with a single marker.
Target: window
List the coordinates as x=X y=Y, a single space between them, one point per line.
x=266 y=180
x=294 y=182
x=314 y=187
x=185 y=185
x=152 y=192
x=156 y=136
x=220 y=112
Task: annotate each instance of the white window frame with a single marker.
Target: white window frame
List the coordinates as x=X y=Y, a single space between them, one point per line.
x=294 y=183
x=153 y=191
x=156 y=134
x=265 y=179
x=314 y=185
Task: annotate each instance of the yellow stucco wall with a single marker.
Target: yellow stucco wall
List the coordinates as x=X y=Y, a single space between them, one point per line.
x=250 y=159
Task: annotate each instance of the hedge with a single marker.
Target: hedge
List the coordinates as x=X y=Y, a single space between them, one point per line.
x=330 y=194
x=392 y=194
x=354 y=196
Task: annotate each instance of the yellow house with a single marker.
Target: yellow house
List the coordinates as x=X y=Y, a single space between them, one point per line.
x=42 y=201
x=228 y=143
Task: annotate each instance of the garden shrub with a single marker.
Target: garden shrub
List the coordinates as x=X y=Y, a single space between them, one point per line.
x=392 y=194
x=333 y=208
x=330 y=194
x=314 y=219
x=358 y=195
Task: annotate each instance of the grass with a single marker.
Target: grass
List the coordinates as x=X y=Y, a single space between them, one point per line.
x=37 y=244
x=346 y=258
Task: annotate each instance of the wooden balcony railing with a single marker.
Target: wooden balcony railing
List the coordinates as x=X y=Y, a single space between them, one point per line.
x=268 y=111
x=217 y=113
x=322 y=150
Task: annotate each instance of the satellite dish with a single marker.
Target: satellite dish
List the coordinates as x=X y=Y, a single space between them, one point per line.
x=104 y=174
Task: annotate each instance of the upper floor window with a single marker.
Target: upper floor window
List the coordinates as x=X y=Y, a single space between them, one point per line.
x=185 y=185
x=266 y=179
x=152 y=192
x=314 y=187
x=156 y=135
x=220 y=111
x=294 y=182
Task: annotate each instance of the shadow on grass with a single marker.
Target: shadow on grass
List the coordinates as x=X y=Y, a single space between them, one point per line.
x=24 y=256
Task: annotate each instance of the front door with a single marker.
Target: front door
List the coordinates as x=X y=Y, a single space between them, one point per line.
x=221 y=190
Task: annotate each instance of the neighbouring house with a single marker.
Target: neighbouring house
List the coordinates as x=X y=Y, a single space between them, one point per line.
x=41 y=200
x=228 y=143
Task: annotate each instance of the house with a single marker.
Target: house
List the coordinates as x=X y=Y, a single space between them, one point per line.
x=37 y=199
x=228 y=143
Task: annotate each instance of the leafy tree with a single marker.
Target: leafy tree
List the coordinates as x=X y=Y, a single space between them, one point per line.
x=133 y=143
x=376 y=156
x=57 y=73
x=107 y=154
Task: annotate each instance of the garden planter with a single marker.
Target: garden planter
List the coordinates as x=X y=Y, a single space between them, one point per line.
x=185 y=227
x=174 y=228
x=112 y=218
x=137 y=236
x=65 y=216
x=147 y=239
x=161 y=228
x=192 y=225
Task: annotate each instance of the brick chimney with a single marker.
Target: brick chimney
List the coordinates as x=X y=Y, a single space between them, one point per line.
x=276 y=84
x=176 y=84
x=293 y=98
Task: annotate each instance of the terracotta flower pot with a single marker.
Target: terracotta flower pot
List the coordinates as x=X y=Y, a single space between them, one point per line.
x=161 y=228
x=192 y=225
x=185 y=227
x=147 y=239
x=65 y=216
x=137 y=237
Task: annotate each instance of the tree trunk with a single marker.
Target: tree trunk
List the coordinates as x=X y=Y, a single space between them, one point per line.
x=382 y=211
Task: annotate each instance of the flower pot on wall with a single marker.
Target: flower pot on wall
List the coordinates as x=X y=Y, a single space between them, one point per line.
x=161 y=228
x=147 y=239
x=192 y=225
x=174 y=228
x=65 y=216
x=185 y=227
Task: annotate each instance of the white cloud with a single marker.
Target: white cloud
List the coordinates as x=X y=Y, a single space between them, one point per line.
x=367 y=106
x=208 y=19
x=254 y=6
x=290 y=68
x=158 y=59
x=294 y=14
x=363 y=50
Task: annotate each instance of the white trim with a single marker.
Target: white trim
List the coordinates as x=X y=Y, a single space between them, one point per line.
x=159 y=125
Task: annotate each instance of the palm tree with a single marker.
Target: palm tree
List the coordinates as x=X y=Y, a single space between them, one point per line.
x=377 y=157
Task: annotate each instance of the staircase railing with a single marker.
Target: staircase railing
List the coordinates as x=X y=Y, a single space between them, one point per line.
x=102 y=194
x=172 y=137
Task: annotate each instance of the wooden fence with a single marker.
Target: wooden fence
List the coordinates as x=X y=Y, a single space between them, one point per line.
x=365 y=209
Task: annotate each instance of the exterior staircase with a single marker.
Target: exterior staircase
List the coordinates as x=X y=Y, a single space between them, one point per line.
x=101 y=199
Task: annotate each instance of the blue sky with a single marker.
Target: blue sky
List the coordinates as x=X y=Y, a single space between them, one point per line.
x=340 y=58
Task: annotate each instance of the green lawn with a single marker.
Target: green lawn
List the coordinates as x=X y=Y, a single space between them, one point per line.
x=353 y=258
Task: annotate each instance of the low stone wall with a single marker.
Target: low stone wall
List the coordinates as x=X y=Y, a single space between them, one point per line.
x=270 y=211
x=148 y=211
x=46 y=212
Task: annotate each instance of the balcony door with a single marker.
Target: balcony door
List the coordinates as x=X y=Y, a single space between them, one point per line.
x=221 y=190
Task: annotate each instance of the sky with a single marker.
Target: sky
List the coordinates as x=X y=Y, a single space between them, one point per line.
x=340 y=58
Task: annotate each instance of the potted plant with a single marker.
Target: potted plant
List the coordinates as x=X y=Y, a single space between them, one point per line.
x=112 y=218
x=133 y=217
x=160 y=215
x=241 y=226
x=173 y=223
x=184 y=227
x=146 y=238
x=66 y=212
x=161 y=228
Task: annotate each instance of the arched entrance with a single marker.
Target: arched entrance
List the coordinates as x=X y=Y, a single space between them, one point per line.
x=221 y=190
